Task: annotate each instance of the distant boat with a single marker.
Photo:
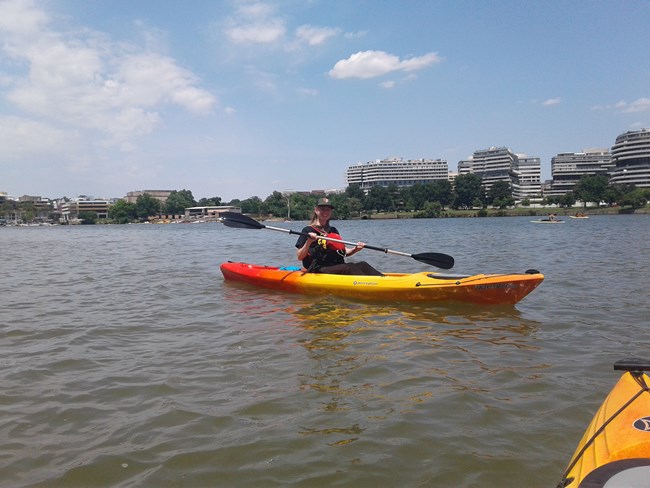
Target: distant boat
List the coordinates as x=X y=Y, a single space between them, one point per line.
x=547 y=221
x=579 y=216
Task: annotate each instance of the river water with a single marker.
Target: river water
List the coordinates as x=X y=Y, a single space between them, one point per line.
x=128 y=361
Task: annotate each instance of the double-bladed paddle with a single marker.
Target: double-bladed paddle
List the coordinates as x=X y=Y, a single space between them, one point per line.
x=240 y=221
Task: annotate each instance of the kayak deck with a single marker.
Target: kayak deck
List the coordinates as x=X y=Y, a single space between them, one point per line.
x=416 y=287
x=616 y=444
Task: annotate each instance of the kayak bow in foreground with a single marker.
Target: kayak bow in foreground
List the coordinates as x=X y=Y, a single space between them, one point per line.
x=615 y=449
x=496 y=289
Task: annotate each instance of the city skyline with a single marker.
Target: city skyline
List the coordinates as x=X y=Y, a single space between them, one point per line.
x=451 y=171
x=238 y=99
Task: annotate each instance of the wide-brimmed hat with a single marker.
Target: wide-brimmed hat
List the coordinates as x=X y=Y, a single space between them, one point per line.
x=324 y=202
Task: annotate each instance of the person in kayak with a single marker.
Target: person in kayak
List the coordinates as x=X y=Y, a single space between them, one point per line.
x=321 y=256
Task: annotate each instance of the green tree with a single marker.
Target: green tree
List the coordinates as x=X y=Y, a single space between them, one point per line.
x=430 y=210
x=468 y=189
x=355 y=191
x=636 y=198
x=568 y=199
x=146 y=206
x=501 y=191
x=28 y=210
x=591 y=188
x=209 y=202
x=415 y=196
x=275 y=204
x=613 y=194
x=378 y=199
x=122 y=212
x=443 y=192
x=252 y=205
x=178 y=201
x=87 y=217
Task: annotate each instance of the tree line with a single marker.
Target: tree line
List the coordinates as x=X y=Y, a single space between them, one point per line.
x=421 y=199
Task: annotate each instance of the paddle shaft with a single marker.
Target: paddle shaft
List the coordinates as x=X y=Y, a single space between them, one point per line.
x=237 y=220
x=325 y=238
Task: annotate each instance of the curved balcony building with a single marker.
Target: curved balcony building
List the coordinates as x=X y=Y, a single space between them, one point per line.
x=631 y=156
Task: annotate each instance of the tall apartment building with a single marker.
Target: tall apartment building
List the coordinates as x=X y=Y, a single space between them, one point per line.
x=396 y=171
x=501 y=164
x=567 y=169
x=525 y=177
x=631 y=159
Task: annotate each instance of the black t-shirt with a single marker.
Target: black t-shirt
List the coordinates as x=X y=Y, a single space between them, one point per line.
x=318 y=250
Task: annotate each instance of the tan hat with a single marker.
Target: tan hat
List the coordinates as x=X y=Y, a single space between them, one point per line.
x=324 y=202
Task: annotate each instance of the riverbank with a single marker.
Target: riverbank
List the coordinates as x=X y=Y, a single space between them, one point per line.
x=512 y=212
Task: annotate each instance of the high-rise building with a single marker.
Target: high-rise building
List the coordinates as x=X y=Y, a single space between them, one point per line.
x=631 y=159
x=567 y=169
x=501 y=164
x=525 y=177
x=396 y=171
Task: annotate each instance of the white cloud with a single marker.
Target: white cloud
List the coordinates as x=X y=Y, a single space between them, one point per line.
x=20 y=137
x=370 y=64
x=87 y=81
x=551 y=101
x=315 y=36
x=255 y=23
x=640 y=105
x=257 y=33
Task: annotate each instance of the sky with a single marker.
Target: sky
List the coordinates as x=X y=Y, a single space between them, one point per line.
x=237 y=98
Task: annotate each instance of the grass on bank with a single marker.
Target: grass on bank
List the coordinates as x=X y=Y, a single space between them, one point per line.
x=513 y=212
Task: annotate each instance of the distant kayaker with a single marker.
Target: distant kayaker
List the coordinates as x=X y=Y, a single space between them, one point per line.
x=323 y=256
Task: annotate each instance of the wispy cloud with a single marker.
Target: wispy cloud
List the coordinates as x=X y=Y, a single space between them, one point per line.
x=315 y=36
x=639 y=105
x=549 y=102
x=87 y=81
x=255 y=23
x=371 y=64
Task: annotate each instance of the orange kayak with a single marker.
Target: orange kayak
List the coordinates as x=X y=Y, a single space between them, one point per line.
x=493 y=289
x=615 y=449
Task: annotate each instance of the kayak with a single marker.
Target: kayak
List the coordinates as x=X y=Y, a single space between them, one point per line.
x=546 y=221
x=615 y=448
x=416 y=287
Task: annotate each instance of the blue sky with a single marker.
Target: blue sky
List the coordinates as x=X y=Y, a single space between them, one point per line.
x=239 y=98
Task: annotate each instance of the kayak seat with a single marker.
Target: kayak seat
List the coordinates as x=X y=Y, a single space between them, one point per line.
x=445 y=276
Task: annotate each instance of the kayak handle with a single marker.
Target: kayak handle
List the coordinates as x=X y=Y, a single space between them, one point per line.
x=632 y=364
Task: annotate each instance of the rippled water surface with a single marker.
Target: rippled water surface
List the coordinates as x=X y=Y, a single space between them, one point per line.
x=128 y=361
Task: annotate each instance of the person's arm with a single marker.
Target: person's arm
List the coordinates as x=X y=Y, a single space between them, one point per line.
x=349 y=251
x=303 y=252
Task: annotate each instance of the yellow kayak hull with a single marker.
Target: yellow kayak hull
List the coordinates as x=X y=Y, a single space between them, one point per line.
x=494 y=289
x=617 y=441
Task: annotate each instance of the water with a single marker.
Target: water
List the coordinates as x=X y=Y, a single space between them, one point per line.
x=128 y=361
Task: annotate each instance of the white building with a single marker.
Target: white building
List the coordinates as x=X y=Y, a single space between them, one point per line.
x=525 y=177
x=501 y=164
x=631 y=159
x=567 y=169
x=396 y=171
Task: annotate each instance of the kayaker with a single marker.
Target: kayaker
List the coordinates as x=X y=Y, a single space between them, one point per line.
x=321 y=256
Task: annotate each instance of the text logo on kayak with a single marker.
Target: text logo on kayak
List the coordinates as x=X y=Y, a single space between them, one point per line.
x=642 y=424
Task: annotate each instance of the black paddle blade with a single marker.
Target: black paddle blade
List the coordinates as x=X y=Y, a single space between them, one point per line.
x=439 y=260
x=239 y=221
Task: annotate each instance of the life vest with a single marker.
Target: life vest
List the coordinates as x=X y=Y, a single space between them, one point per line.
x=326 y=253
